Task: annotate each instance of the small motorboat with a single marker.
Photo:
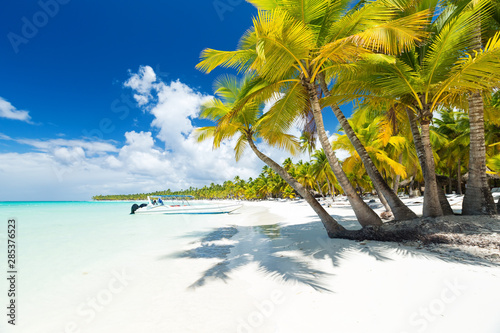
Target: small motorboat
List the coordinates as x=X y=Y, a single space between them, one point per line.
x=181 y=204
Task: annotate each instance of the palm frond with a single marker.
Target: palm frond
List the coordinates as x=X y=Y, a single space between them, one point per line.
x=396 y=167
x=240 y=146
x=283 y=43
x=394 y=36
x=214 y=109
x=204 y=133
x=474 y=72
x=227 y=87
x=452 y=40
x=257 y=91
x=264 y=4
x=284 y=141
x=285 y=111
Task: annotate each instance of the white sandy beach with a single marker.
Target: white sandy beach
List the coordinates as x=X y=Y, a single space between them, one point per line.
x=270 y=267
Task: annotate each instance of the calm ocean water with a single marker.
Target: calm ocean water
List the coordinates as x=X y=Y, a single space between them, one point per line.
x=69 y=251
x=59 y=238
x=93 y=222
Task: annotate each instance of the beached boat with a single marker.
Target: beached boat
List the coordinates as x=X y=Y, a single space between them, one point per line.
x=181 y=204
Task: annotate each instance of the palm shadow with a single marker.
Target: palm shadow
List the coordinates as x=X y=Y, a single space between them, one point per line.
x=284 y=251
x=237 y=246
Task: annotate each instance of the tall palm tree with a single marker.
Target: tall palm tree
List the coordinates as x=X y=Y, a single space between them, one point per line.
x=292 y=44
x=246 y=126
x=478 y=199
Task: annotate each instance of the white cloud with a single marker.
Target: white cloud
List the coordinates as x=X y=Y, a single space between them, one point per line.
x=8 y=111
x=177 y=105
x=140 y=155
x=69 y=156
x=64 y=169
x=174 y=105
x=91 y=147
x=5 y=137
x=142 y=83
x=342 y=154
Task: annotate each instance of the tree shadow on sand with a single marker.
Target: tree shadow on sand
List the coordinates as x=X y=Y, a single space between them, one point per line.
x=284 y=252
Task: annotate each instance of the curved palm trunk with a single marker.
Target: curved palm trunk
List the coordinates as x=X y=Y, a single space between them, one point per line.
x=399 y=209
x=331 y=226
x=478 y=199
x=365 y=215
x=436 y=205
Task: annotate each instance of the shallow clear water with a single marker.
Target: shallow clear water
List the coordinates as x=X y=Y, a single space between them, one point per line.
x=60 y=239
x=57 y=226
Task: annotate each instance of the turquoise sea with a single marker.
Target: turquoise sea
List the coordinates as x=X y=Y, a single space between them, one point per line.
x=67 y=248
x=84 y=228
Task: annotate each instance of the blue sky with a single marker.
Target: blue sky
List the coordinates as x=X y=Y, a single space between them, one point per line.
x=70 y=126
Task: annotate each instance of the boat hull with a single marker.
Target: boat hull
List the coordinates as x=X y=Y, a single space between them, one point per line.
x=194 y=209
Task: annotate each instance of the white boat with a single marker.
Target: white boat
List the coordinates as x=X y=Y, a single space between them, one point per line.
x=180 y=204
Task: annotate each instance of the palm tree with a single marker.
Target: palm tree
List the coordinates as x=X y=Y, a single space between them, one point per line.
x=388 y=130
x=478 y=199
x=450 y=136
x=321 y=170
x=307 y=143
x=292 y=45
x=305 y=175
x=246 y=126
x=425 y=78
x=288 y=165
